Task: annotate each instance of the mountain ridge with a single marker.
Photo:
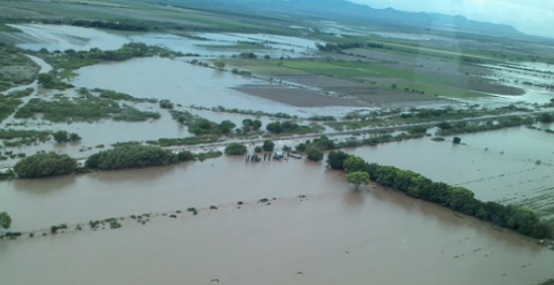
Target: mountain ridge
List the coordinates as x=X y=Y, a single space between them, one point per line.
x=348 y=11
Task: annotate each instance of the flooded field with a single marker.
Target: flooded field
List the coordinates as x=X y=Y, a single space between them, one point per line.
x=509 y=166
x=62 y=37
x=187 y=84
x=333 y=235
x=288 y=221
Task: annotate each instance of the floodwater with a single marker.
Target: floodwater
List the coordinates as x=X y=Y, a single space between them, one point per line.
x=333 y=236
x=186 y=84
x=63 y=37
x=521 y=76
x=284 y=43
x=497 y=166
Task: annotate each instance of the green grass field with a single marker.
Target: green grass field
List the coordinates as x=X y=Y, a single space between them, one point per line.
x=429 y=85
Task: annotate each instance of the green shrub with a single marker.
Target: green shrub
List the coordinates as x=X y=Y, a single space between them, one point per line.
x=235 y=149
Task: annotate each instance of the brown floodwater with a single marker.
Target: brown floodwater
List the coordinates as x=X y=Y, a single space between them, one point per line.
x=187 y=84
x=334 y=236
x=498 y=165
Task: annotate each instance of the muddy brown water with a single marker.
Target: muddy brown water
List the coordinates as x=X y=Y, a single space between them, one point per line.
x=187 y=84
x=498 y=165
x=334 y=236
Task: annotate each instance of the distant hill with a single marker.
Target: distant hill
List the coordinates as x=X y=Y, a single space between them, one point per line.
x=342 y=10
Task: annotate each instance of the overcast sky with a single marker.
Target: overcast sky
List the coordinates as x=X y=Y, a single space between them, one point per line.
x=535 y=17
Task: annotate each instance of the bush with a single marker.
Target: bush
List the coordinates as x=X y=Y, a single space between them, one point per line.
x=61 y=136
x=44 y=165
x=235 y=149
x=166 y=104
x=74 y=137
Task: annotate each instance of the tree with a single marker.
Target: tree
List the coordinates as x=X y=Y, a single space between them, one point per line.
x=246 y=125
x=256 y=124
x=354 y=163
x=61 y=136
x=336 y=159
x=44 y=165
x=226 y=126
x=314 y=153
x=357 y=178
x=274 y=127
x=258 y=149
x=235 y=149
x=268 y=145
x=5 y=220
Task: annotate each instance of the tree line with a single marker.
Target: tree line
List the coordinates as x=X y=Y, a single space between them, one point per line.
x=460 y=199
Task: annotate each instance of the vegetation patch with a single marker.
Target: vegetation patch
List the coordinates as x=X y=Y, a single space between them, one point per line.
x=8 y=106
x=208 y=155
x=87 y=108
x=292 y=128
x=16 y=138
x=20 y=93
x=71 y=59
x=64 y=137
x=15 y=68
x=50 y=81
x=131 y=156
x=235 y=149
x=45 y=164
x=165 y=142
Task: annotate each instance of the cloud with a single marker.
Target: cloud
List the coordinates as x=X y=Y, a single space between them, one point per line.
x=531 y=16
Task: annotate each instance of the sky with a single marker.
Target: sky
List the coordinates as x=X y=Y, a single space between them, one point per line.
x=534 y=17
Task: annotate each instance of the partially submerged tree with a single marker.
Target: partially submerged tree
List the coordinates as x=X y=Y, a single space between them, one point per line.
x=357 y=178
x=354 y=163
x=336 y=159
x=268 y=145
x=5 y=220
x=314 y=153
